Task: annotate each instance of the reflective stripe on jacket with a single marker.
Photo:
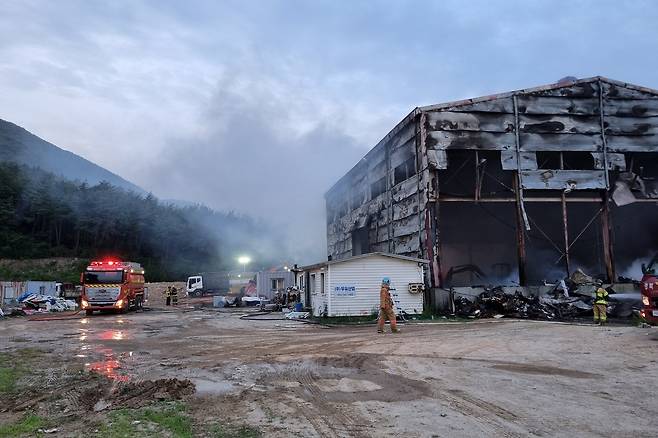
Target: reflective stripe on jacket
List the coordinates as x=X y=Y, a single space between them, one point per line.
x=601 y=296
x=385 y=301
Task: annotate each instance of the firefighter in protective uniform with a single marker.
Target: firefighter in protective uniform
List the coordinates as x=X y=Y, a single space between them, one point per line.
x=167 y=295
x=600 y=305
x=386 y=307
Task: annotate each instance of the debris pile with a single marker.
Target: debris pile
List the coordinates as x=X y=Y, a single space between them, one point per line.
x=495 y=303
x=34 y=303
x=570 y=298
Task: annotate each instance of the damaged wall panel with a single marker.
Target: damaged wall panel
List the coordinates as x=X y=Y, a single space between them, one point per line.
x=406 y=245
x=499 y=105
x=463 y=121
x=580 y=90
x=562 y=179
x=557 y=105
x=559 y=124
x=560 y=142
x=527 y=160
x=470 y=140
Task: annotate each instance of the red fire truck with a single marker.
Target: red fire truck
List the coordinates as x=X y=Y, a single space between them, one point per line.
x=112 y=285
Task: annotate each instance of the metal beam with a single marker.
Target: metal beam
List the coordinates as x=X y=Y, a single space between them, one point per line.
x=606 y=231
x=520 y=235
x=603 y=139
x=510 y=199
x=565 y=224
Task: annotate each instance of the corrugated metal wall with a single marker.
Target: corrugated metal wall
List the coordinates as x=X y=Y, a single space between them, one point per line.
x=11 y=290
x=264 y=281
x=42 y=287
x=366 y=274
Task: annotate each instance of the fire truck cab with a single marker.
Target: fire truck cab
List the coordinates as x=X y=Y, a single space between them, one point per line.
x=112 y=285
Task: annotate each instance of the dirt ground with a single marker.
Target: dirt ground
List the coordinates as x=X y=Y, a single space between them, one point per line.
x=282 y=378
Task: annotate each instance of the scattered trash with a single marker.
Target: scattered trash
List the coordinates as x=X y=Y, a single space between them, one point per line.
x=297 y=315
x=44 y=303
x=53 y=430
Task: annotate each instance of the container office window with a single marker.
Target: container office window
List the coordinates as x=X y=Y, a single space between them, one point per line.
x=277 y=284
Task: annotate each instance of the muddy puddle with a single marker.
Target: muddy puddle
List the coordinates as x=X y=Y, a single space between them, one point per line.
x=212 y=387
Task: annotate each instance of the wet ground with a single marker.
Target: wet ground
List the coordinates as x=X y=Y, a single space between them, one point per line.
x=488 y=378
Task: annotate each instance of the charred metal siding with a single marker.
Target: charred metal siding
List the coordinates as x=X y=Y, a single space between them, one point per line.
x=603 y=123
x=393 y=217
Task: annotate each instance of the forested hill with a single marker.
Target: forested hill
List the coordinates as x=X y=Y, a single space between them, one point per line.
x=21 y=146
x=42 y=215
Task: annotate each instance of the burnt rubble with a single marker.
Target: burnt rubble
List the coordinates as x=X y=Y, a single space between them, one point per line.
x=571 y=298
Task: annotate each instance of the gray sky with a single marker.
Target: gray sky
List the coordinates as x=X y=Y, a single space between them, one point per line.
x=260 y=106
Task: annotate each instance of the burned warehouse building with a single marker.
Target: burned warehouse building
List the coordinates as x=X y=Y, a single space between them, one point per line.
x=514 y=188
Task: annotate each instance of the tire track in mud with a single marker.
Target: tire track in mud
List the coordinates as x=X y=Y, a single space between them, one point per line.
x=501 y=421
x=330 y=412
x=333 y=410
x=332 y=417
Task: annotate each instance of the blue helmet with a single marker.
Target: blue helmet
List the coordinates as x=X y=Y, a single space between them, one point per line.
x=386 y=281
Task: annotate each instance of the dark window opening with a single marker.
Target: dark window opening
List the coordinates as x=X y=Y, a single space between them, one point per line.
x=578 y=160
x=478 y=244
x=565 y=160
x=635 y=240
x=544 y=243
x=405 y=170
x=548 y=160
x=475 y=174
x=491 y=180
x=360 y=241
x=643 y=164
x=459 y=178
x=377 y=188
